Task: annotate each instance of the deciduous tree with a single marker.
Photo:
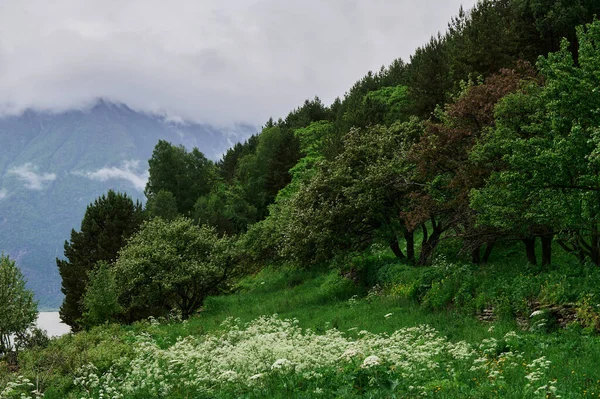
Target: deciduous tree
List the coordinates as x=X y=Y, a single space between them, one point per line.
x=186 y=175
x=173 y=266
x=18 y=309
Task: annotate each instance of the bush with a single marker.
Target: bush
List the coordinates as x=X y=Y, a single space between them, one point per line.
x=18 y=310
x=101 y=299
x=173 y=265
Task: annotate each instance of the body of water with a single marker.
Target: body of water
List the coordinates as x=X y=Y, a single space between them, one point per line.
x=50 y=321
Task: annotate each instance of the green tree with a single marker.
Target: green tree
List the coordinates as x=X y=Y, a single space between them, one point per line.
x=101 y=298
x=162 y=205
x=266 y=171
x=18 y=311
x=549 y=145
x=429 y=77
x=107 y=224
x=386 y=105
x=173 y=266
x=225 y=209
x=485 y=39
x=186 y=175
x=348 y=203
x=228 y=165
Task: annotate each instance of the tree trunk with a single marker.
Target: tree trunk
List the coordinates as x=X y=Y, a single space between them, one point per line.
x=595 y=244
x=488 y=251
x=574 y=248
x=530 y=249
x=409 y=236
x=425 y=236
x=429 y=246
x=476 y=255
x=546 y=250
x=396 y=248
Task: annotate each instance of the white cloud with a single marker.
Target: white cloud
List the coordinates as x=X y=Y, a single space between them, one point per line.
x=209 y=61
x=129 y=171
x=3 y=193
x=28 y=174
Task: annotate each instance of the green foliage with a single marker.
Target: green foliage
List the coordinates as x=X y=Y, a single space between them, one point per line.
x=18 y=310
x=228 y=165
x=172 y=266
x=225 y=209
x=33 y=338
x=186 y=175
x=162 y=205
x=346 y=203
x=549 y=171
x=387 y=105
x=357 y=109
x=430 y=80
x=266 y=171
x=100 y=301
x=106 y=226
x=313 y=142
x=486 y=39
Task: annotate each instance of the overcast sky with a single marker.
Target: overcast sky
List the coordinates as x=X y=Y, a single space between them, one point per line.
x=213 y=61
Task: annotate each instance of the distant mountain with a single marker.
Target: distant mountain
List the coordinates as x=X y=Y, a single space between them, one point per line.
x=53 y=165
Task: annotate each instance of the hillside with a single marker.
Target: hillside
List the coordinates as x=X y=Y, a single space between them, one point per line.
x=53 y=165
x=433 y=233
x=311 y=319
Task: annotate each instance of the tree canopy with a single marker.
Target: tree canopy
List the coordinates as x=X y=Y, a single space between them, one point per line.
x=18 y=311
x=172 y=265
x=107 y=224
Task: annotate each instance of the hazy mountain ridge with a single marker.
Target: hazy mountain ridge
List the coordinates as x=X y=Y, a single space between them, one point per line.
x=53 y=165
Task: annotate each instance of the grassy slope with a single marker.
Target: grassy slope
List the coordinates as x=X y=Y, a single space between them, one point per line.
x=575 y=357
x=320 y=300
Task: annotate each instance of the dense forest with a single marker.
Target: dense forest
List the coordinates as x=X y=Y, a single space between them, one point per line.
x=487 y=140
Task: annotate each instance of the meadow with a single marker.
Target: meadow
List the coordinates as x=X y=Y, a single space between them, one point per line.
x=403 y=332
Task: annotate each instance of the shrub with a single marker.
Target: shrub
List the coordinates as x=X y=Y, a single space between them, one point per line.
x=173 y=265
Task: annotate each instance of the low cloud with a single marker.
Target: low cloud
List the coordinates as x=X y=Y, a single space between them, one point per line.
x=129 y=171
x=3 y=194
x=210 y=61
x=28 y=174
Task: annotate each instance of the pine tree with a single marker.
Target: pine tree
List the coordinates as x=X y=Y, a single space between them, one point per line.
x=105 y=227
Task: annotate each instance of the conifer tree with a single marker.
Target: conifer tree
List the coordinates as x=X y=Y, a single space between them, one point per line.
x=105 y=227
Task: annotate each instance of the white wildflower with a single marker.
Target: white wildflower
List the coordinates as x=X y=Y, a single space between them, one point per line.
x=281 y=364
x=228 y=375
x=536 y=313
x=349 y=353
x=371 y=361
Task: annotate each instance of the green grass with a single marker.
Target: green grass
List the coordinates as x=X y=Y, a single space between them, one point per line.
x=574 y=356
x=322 y=300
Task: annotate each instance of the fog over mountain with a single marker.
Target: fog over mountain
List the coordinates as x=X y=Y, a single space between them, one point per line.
x=208 y=61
